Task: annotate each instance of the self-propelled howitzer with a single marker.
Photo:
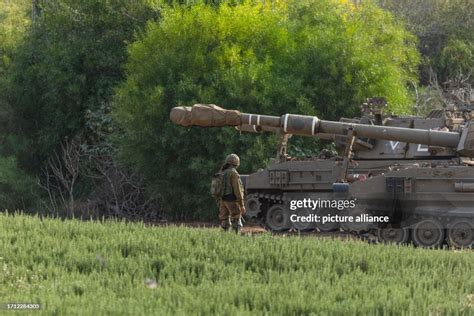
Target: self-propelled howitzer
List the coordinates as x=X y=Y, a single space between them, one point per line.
x=418 y=171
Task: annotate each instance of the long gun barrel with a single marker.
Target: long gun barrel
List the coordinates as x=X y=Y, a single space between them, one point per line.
x=209 y=115
x=260 y=129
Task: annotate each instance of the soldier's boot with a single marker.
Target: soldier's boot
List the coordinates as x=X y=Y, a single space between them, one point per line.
x=226 y=225
x=237 y=225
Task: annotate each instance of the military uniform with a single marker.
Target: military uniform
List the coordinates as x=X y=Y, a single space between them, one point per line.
x=231 y=206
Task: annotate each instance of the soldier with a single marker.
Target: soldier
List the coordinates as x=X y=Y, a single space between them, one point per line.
x=231 y=206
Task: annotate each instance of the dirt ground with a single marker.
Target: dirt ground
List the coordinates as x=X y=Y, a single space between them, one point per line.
x=252 y=228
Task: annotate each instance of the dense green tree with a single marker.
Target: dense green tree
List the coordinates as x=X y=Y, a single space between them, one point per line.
x=68 y=62
x=446 y=34
x=456 y=59
x=312 y=57
x=58 y=72
x=18 y=190
x=14 y=21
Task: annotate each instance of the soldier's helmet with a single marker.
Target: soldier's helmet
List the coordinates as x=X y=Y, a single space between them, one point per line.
x=233 y=159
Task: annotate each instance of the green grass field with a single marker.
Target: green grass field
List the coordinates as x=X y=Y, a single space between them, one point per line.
x=74 y=267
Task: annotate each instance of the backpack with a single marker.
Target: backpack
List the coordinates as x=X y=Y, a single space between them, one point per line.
x=217 y=184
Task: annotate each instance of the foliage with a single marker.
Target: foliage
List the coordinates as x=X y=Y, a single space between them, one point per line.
x=429 y=98
x=17 y=189
x=311 y=57
x=68 y=62
x=457 y=58
x=444 y=29
x=14 y=21
x=117 y=268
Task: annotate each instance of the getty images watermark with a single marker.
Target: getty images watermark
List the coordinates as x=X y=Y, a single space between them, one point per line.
x=330 y=217
x=315 y=204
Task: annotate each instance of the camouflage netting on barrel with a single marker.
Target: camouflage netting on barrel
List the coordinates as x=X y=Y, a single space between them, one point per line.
x=204 y=115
